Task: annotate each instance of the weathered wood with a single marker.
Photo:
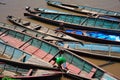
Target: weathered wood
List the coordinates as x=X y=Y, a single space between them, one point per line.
x=38 y=61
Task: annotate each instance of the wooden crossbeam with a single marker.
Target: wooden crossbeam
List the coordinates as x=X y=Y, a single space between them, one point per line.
x=55 y=55
x=84 y=21
x=4 y=32
x=25 y=42
x=22 y=57
x=56 y=17
x=29 y=72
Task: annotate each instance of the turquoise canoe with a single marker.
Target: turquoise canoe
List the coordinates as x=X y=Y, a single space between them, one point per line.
x=90 y=11
x=74 y=21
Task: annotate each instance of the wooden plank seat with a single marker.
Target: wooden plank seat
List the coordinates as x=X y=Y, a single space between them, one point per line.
x=22 y=57
x=37 y=27
x=3 y=33
x=24 y=45
x=26 y=23
x=48 y=57
x=29 y=72
x=53 y=62
x=83 y=73
x=93 y=70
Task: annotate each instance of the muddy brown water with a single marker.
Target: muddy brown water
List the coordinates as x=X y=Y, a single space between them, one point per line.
x=17 y=8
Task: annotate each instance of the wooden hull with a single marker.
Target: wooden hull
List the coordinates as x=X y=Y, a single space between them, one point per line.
x=47 y=51
x=93 y=12
x=86 y=24
x=46 y=32
x=92 y=39
x=93 y=50
x=24 y=73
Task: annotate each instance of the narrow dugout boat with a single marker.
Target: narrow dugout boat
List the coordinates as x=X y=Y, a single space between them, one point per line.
x=47 y=52
x=20 y=71
x=43 y=30
x=110 y=52
x=94 y=36
x=94 y=50
x=106 y=17
x=74 y=21
x=15 y=66
x=90 y=11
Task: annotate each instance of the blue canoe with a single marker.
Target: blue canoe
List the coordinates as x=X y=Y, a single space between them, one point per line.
x=95 y=36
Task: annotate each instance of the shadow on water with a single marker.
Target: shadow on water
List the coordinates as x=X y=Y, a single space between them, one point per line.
x=107 y=64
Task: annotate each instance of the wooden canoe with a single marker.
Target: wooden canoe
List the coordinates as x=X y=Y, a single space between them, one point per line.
x=74 y=21
x=47 y=52
x=106 y=17
x=90 y=11
x=94 y=36
x=14 y=67
x=93 y=50
x=42 y=30
x=110 y=52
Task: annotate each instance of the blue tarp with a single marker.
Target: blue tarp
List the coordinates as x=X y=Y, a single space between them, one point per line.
x=104 y=36
x=99 y=35
x=78 y=32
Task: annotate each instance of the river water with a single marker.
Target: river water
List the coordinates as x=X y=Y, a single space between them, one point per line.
x=17 y=8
